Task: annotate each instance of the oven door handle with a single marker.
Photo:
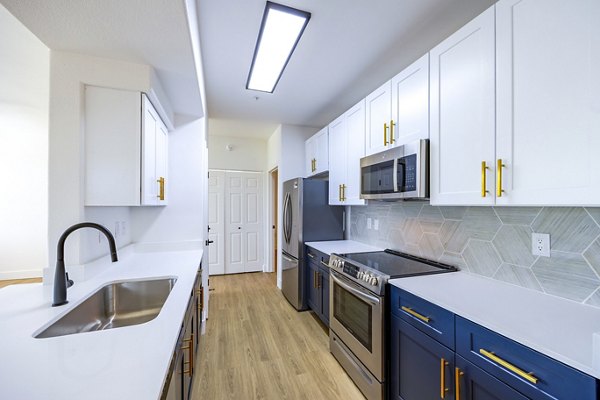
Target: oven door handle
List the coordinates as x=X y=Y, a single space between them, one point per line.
x=359 y=293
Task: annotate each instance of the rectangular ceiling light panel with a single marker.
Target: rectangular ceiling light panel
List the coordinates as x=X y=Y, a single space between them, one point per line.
x=280 y=31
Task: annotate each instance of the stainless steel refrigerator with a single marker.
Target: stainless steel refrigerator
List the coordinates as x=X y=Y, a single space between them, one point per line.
x=307 y=217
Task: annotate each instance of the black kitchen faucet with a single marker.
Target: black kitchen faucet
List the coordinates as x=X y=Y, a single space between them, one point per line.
x=61 y=279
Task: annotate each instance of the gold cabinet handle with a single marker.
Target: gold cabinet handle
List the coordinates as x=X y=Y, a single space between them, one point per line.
x=457 y=374
x=340 y=192
x=484 y=169
x=190 y=349
x=323 y=263
x=315 y=164
x=161 y=190
x=416 y=314
x=343 y=192
x=443 y=388
x=311 y=255
x=499 y=167
x=385 y=128
x=392 y=131
x=527 y=376
x=314 y=279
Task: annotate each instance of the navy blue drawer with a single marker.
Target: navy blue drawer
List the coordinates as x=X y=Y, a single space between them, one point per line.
x=423 y=315
x=535 y=375
x=317 y=257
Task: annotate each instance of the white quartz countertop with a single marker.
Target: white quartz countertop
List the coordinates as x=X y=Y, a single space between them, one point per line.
x=342 y=247
x=123 y=363
x=559 y=328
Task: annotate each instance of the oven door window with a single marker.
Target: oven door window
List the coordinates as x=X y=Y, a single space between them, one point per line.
x=354 y=314
x=378 y=178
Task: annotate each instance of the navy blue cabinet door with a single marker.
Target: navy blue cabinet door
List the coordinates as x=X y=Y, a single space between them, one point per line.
x=476 y=384
x=325 y=295
x=314 y=296
x=421 y=368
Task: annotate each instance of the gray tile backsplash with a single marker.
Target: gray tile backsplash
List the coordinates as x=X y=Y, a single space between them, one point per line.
x=494 y=242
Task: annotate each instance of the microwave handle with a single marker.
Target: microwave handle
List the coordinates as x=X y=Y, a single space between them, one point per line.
x=395 y=177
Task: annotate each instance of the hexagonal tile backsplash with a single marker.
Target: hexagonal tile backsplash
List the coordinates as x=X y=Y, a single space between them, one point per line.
x=495 y=242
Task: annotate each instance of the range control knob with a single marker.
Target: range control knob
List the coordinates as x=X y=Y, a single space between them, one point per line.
x=336 y=262
x=360 y=274
x=374 y=281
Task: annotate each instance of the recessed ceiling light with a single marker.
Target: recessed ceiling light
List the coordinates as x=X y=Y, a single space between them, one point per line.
x=280 y=31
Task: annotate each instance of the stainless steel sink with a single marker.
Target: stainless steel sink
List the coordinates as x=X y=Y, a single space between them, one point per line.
x=114 y=306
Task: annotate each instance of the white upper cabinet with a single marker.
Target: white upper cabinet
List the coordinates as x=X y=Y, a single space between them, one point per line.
x=126 y=149
x=410 y=103
x=378 y=119
x=346 y=148
x=548 y=104
x=337 y=159
x=154 y=156
x=317 y=153
x=462 y=120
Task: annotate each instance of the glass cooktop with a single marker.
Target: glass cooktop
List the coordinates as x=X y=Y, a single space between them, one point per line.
x=396 y=264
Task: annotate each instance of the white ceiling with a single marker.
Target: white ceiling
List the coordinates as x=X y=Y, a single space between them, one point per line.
x=241 y=128
x=348 y=49
x=153 y=32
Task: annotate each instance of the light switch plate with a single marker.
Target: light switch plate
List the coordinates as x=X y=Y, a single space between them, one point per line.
x=540 y=244
x=376 y=224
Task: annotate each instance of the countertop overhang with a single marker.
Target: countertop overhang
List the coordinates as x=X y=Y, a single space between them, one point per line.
x=123 y=363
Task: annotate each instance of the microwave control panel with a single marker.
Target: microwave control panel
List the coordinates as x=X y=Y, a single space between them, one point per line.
x=407 y=173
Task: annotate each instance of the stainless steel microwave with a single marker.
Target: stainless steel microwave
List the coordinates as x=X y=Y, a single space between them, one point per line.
x=401 y=172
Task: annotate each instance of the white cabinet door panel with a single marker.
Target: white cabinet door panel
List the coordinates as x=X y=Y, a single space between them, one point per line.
x=322 y=151
x=310 y=150
x=410 y=102
x=337 y=159
x=548 y=132
x=379 y=114
x=462 y=124
x=355 y=150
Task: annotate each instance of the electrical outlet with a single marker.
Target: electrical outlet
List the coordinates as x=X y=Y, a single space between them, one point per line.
x=376 y=224
x=369 y=223
x=540 y=244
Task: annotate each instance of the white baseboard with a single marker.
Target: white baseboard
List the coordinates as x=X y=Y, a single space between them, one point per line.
x=32 y=273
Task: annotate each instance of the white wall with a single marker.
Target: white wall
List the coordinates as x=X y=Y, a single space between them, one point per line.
x=183 y=219
x=291 y=165
x=246 y=154
x=68 y=74
x=24 y=91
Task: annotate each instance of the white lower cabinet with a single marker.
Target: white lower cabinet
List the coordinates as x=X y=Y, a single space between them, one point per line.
x=462 y=126
x=126 y=149
x=346 y=148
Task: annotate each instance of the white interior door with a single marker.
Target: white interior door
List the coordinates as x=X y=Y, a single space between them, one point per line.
x=244 y=241
x=216 y=216
x=252 y=228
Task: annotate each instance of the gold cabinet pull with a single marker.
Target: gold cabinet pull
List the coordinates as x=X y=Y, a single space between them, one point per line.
x=416 y=314
x=457 y=374
x=484 y=169
x=443 y=388
x=340 y=192
x=161 y=190
x=499 y=167
x=323 y=263
x=315 y=164
x=527 y=376
x=314 y=279
x=385 y=128
x=311 y=255
x=392 y=131
x=343 y=192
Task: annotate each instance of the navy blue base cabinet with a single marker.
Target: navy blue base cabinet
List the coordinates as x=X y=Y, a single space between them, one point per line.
x=318 y=283
x=421 y=367
x=435 y=354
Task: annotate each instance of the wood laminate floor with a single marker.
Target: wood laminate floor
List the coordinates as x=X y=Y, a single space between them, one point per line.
x=17 y=281
x=257 y=346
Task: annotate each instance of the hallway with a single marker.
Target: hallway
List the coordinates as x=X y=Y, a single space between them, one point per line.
x=257 y=346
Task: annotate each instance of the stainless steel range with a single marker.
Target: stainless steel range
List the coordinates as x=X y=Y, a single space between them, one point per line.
x=358 y=310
